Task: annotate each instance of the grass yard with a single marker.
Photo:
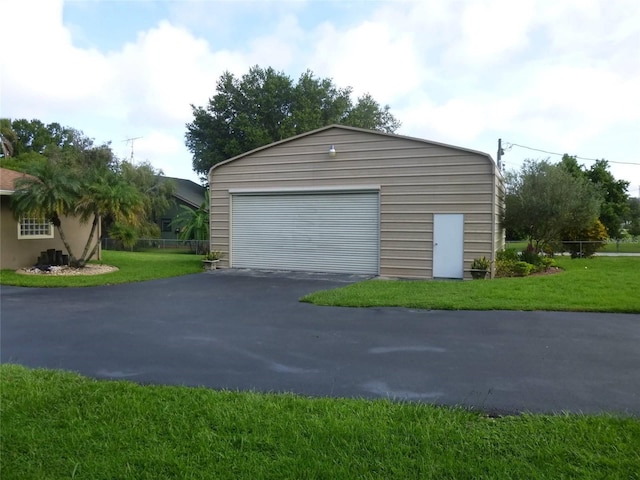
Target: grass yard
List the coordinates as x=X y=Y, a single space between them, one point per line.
x=622 y=247
x=62 y=425
x=599 y=284
x=133 y=267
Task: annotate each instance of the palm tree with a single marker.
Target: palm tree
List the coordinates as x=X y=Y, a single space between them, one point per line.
x=193 y=224
x=108 y=195
x=50 y=194
x=56 y=191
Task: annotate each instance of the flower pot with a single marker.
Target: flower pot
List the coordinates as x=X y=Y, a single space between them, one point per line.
x=210 y=264
x=478 y=274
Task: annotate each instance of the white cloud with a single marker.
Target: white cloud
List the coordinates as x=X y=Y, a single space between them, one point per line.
x=163 y=72
x=491 y=30
x=559 y=75
x=159 y=148
x=370 y=57
x=41 y=69
x=280 y=48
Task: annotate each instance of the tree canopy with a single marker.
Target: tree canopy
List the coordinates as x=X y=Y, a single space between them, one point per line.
x=633 y=217
x=74 y=177
x=614 y=208
x=25 y=136
x=543 y=201
x=264 y=106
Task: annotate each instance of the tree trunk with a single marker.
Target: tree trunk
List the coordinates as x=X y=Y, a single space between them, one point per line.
x=93 y=251
x=72 y=259
x=83 y=259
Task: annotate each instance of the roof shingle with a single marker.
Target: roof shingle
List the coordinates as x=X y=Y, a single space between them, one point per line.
x=8 y=179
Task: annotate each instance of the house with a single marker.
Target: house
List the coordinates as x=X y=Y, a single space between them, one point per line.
x=344 y=199
x=22 y=240
x=186 y=193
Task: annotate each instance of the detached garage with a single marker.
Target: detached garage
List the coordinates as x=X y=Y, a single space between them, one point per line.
x=347 y=200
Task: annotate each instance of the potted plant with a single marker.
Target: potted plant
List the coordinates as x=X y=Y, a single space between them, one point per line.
x=480 y=268
x=211 y=259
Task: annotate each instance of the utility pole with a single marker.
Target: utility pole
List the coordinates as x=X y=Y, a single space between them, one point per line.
x=500 y=153
x=133 y=139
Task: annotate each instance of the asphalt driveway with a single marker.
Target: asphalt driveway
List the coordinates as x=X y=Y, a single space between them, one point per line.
x=237 y=330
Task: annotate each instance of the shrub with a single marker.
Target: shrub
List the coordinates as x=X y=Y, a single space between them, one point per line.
x=125 y=234
x=511 y=263
x=522 y=269
x=480 y=264
x=508 y=254
x=585 y=243
x=529 y=255
x=547 y=263
x=505 y=268
x=509 y=268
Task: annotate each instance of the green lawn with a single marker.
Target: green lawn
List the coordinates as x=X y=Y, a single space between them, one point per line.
x=599 y=284
x=133 y=267
x=622 y=247
x=62 y=425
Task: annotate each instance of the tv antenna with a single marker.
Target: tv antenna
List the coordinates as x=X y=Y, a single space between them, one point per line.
x=131 y=140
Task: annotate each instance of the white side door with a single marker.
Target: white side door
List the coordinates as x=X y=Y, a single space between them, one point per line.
x=448 y=245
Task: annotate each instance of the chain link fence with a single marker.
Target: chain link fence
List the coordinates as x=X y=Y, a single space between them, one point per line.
x=581 y=248
x=159 y=244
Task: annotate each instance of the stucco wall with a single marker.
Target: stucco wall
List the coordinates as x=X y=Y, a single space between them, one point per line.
x=17 y=253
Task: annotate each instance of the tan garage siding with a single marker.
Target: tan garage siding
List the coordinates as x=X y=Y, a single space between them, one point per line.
x=414 y=181
x=417 y=179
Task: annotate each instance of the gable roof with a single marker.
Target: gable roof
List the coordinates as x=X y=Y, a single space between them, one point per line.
x=354 y=129
x=8 y=180
x=188 y=191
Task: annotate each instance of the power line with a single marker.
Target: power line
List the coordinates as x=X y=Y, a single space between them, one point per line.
x=509 y=145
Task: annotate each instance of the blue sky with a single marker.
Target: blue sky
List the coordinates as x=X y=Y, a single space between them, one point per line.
x=560 y=76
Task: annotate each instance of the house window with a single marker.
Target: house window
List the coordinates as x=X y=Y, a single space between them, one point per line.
x=34 y=228
x=166 y=225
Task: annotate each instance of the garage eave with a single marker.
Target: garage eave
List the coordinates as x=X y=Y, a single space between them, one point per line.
x=285 y=190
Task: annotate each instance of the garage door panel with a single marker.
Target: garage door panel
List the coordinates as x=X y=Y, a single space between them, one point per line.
x=332 y=232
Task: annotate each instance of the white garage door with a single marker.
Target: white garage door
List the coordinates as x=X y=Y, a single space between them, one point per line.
x=319 y=232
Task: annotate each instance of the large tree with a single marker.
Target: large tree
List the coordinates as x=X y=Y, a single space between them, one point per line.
x=36 y=136
x=544 y=200
x=264 y=106
x=614 y=208
x=156 y=190
x=633 y=217
x=615 y=205
x=29 y=143
x=157 y=197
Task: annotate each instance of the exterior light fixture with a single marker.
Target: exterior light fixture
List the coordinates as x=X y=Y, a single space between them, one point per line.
x=332 y=151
